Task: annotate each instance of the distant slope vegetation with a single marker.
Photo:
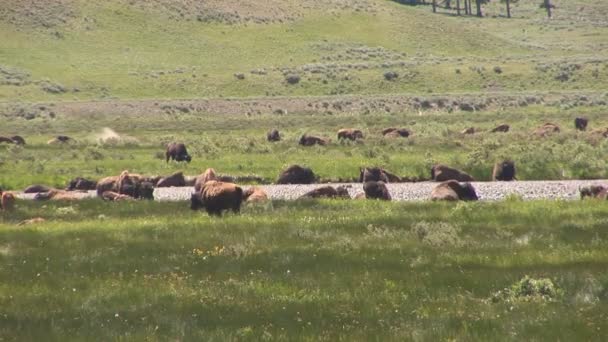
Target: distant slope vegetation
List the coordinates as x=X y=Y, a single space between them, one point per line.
x=118 y=49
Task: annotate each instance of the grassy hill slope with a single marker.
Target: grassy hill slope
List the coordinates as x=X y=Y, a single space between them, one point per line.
x=77 y=50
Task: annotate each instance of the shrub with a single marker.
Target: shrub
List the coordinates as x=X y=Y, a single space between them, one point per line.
x=437 y=234
x=529 y=289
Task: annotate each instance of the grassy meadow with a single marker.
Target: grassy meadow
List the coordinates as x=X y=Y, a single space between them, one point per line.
x=309 y=270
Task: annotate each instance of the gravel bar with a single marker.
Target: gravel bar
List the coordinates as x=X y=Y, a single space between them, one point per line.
x=487 y=191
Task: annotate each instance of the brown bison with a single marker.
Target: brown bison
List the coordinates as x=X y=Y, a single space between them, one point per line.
x=295 y=174
x=350 y=134
x=216 y=197
x=115 y=196
x=176 y=179
x=594 y=191
x=80 y=183
x=546 y=129
x=203 y=178
x=255 y=195
x=134 y=185
x=57 y=195
x=177 y=152
x=107 y=184
x=470 y=130
x=504 y=128
x=504 y=171
x=32 y=189
x=376 y=174
x=376 y=190
x=327 y=192
x=17 y=139
x=273 y=135
x=396 y=132
x=454 y=191
x=309 y=140
x=442 y=173
x=6 y=140
x=581 y=123
x=7 y=201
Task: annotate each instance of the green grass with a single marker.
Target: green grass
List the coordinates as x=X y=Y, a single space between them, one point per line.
x=113 y=50
x=302 y=270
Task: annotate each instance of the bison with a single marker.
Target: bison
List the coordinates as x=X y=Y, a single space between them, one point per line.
x=80 y=183
x=350 y=134
x=7 y=201
x=581 y=123
x=296 y=174
x=6 y=140
x=115 y=196
x=273 y=135
x=376 y=174
x=504 y=171
x=442 y=173
x=594 y=191
x=376 y=190
x=107 y=184
x=546 y=129
x=17 y=139
x=454 y=191
x=309 y=140
x=254 y=195
x=176 y=179
x=203 y=178
x=504 y=128
x=36 y=188
x=327 y=192
x=396 y=132
x=177 y=152
x=216 y=197
x=57 y=195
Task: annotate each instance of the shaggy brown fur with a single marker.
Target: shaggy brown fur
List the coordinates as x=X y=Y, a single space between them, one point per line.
x=295 y=174
x=255 y=194
x=504 y=171
x=56 y=195
x=17 y=139
x=216 y=197
x=376 y=174
x=32 y=189
x=327 y=192
x=546 y=130
x=203 y=178
x=176 y=179
x=7 y=201
x=309 y=140
x=273 y=135
x=107 y=184
x=376 y=190
x=442 y=173
x=581 y=123
x=504 y=128
x=350 y=134
x=177 y=152
x=454 y=191
x=80 y=183
x=470 y=130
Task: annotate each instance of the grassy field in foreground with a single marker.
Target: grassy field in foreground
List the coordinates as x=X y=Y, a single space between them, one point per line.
x=236 y=145
x=325 y=270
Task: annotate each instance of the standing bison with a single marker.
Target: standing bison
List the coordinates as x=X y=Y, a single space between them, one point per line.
x=7 y=200
x=442 y=173
x=350 y=134
x=581 y=123
x=454 y=191
x=295 y=174
x=273 y=136
x=177 y=152
x=217 y=197
x=504 y=171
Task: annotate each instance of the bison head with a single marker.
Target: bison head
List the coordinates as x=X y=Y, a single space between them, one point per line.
x=196 y=202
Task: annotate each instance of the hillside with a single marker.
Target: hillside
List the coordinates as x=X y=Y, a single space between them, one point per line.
x=131 y=49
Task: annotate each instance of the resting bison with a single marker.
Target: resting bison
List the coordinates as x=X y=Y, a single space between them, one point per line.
x=7 y=201
x=134 y=185
x=442 y=173
x=177 y=152
x=581 y=123
x=17 y=139
x=107 y=184
x=546 y=129
x=327 y=192
x=454 y=191
x=396 y=132
x=470 y=130
x=376 y=190
x=6 y=140
x=504 y=171
x=216 y=197
x=57 y=195
x=273 y=136
x=80 y=183
x=309 y=140
x=350 y=134
x=377 y=174
x=176 y=179
x=255 y=194
x=594 y=191
x=32 y=189
x=203 y=178
x=504 y=128
x=295 y=174
x=115 y=196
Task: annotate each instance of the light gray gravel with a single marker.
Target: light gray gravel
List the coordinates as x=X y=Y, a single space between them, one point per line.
x=489 y=191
